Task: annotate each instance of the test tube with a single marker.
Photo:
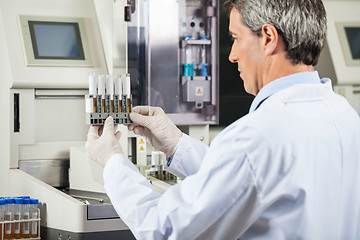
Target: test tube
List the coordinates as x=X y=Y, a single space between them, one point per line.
x=126 y=90
x=17 y=216
x=203 y=50
x=9 y=211
x=34 y=215
x=25 y=226
x=203 y=64
x=2 y=217
x=155 y=163
x=189 y=61
x=110 y=93
x=155 y=158
x=91 y=106
x=101 y=93
x=118 y=91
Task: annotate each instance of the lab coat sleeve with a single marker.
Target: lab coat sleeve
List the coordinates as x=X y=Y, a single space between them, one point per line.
x=187 y=158
x=219 y=201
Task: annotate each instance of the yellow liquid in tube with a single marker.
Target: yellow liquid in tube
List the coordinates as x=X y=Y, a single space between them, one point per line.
x=120 y=105
x=103 y=105
x=94 y=104
x=128 y=105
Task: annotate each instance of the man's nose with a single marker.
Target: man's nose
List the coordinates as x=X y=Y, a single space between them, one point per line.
x=232 y=56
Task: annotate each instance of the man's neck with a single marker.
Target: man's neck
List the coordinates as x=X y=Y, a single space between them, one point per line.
x=285 y=68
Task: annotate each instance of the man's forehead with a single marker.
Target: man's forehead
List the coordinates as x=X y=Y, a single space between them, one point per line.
x=234 y=20
x=234 y=14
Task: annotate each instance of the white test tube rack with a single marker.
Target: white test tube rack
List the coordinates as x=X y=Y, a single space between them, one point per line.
x=101 y=105
x=5 y=223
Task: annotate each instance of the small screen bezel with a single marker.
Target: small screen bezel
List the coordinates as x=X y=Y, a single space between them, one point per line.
x=347 y=29
x=33 y=59
x=34 y=41
x=345 y=44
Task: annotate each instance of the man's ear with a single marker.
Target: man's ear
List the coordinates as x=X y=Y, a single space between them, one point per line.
x=270 y=37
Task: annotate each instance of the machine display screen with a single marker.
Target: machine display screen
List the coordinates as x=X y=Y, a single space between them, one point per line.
x=353 y=37
x=56 y=40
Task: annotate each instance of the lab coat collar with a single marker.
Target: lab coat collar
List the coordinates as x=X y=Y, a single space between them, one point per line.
x=283 y=83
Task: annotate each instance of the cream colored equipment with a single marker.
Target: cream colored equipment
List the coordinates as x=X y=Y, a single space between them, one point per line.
x=43 y=84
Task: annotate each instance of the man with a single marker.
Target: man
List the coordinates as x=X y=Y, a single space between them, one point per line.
x=287 y=170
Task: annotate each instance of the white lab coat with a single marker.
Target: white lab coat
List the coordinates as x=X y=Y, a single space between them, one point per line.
x=289 y=170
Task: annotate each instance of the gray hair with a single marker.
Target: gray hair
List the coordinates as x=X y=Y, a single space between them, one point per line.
x=300 y=23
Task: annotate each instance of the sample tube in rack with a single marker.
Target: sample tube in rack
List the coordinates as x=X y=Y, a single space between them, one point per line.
x=2 y=217
x=189 y=62
x=18 y=204
x=9 y=211
x=126 y=91
x=203 y=64
x=113 y=98
x=25 y=226
x=101 y=94
x=109 y=103
x=118 y=93
x=91 y=100
x=34 y=212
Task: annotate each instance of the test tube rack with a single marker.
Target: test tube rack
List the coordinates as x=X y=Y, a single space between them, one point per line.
x=121 y=106
x=103 y=101
x=5 y=223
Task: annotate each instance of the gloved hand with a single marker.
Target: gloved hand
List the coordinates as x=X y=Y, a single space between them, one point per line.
x=156 y=127
x=102 y=142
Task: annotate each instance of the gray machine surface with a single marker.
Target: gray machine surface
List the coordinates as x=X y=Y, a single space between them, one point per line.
x=160 y=50
x=98 y=207
x=50 y=234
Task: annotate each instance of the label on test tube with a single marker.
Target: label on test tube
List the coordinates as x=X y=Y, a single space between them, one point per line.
x=17 y=216
x=25 y=228
x=34 y=224
x=8 y=225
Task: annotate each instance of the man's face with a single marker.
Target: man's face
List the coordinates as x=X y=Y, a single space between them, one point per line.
x=246 y=52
